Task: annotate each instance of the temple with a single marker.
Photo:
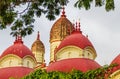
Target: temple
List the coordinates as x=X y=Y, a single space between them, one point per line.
x=69 y=49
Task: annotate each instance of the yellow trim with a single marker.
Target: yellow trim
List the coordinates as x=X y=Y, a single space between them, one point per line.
x=10 y=55
x=115 y=75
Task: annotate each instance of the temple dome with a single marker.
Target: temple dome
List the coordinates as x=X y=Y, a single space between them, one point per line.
x=61 y=28
x=38 y=45
x=14 y=72
x=76 y=39
x=75 y=45
x=38 y=50
x=67 y=65
x=18 y=48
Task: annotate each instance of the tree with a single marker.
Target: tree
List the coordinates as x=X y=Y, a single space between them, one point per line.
x=23 y=20
x=99 y=73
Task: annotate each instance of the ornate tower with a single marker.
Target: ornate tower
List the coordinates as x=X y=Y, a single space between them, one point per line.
x=60 y=29
x=38 y=50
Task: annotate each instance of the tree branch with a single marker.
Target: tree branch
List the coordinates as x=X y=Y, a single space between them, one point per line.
x=25 y=9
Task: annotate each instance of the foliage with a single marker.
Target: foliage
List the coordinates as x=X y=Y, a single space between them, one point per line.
x=109 y=4
x=99 y=73
x=23 y=20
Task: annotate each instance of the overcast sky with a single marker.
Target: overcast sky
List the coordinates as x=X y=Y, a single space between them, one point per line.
x=102 y=28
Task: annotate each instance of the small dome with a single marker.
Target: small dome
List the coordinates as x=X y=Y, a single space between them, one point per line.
x=38 y=45
x=116 y=61
x=18 y=48
x=67 y=65
x=14 y=72
x=61 y=28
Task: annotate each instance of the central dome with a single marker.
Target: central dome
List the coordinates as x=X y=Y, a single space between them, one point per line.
x=61 y=28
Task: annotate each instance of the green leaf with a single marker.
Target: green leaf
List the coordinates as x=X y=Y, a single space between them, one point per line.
x=99 y=2
x=109 y=5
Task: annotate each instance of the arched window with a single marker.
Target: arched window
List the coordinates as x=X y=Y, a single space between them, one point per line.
x=88 y=54
x=10 y=62
x=28 y=63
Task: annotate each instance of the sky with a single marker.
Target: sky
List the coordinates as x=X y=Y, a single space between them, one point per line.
x=102 y=28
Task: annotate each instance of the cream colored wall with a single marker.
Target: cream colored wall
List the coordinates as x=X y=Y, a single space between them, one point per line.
x=10 y=61
x=53 y=46
x=39 y=56
x=73 y=52
x=29 y=62
x=13 y=60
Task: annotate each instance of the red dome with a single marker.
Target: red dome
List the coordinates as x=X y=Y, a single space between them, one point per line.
x=15 y=72
x=116 y=61
x=75 y=39
x=66 y=65
x=18 y=49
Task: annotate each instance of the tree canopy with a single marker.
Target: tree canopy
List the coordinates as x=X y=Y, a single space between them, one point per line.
x=22 y=21
x=100 y=73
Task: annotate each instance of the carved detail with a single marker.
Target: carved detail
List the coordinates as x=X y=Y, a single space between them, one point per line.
x=62 y=28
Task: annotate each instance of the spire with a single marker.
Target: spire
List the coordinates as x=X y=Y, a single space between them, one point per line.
x=78 y=27
x=18 y=38
x=38 y=36
x=63 y=12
